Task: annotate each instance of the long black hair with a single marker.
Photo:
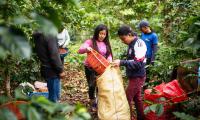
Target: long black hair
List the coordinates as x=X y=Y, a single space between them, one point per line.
x=106 y=40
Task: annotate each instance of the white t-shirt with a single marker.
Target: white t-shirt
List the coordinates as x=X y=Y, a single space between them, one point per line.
x=63 y=38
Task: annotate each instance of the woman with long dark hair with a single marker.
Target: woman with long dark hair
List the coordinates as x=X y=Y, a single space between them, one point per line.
x=100 y=43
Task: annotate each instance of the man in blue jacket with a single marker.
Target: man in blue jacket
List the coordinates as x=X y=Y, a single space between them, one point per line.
x=151 y=40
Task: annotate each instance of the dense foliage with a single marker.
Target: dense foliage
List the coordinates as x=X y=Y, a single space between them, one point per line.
x=177 y=23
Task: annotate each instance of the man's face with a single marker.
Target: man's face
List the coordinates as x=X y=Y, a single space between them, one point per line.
x=144 y=29
x=125 y=39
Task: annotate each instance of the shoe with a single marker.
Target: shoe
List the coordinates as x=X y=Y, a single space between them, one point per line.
x=133 y=118
x=94 y=109
x=93 y=105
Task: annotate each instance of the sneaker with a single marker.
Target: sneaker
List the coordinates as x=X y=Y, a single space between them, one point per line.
x=93 y=105
x=93 y=109
x=133 y=118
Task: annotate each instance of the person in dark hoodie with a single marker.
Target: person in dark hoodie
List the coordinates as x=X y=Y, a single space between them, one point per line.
x=46 y=47
x=135 y=68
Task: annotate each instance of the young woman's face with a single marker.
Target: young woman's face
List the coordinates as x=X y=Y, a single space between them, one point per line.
x=102 y=35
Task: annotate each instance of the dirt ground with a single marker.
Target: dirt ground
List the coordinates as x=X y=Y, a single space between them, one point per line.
x=74 y=88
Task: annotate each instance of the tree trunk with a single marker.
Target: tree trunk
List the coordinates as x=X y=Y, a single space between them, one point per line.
x=167 y=22
x=6 y=77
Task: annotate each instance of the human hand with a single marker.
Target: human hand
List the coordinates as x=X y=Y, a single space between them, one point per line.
x=89 y=49
x=116 y=63
x=62 y=75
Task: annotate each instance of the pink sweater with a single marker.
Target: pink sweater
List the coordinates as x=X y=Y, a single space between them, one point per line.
x=101 y=47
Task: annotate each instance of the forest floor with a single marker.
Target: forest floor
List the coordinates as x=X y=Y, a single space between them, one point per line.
x=74 y=88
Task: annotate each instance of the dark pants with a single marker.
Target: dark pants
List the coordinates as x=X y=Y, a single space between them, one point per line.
x=62 y=59
x=54 y=87
x=148 y=71
x=133 y=93
x=91 y=80
x=148 y=61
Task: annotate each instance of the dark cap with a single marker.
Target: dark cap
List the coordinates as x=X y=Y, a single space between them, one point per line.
x=143 y=23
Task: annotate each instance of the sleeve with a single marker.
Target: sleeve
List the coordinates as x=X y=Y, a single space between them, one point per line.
x=140 y=50
x=82 y=49
x=109 y=58
x=137 y=62
x=131 y=64
x=54 y=54
x=154 y=46
x=155 y=39
x=154 y=50
x=67 y=38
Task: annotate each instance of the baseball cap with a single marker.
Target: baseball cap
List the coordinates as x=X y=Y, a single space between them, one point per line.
x=143 y=23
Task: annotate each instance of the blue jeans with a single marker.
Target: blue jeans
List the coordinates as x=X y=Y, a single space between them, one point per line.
x=54 y=87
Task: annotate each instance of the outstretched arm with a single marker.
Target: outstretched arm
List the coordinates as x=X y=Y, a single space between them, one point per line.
x=84 y=46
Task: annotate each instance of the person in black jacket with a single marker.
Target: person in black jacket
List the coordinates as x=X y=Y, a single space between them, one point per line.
x=46 y=47
x=135 y=68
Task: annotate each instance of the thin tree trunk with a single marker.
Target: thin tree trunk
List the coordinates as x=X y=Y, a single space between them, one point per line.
x=6 y=77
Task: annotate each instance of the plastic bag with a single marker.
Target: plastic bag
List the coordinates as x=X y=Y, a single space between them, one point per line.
x=153 y=96
x=172 y=90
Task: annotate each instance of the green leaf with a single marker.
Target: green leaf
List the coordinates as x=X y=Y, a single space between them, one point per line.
x=45 y=104
x=153 y=107
x=33 y=114
x=81 y=110
x=19 y=94
x=147 y=110
x=85 y=116
x=45 y=25
x=127 y=12
x=53 y=16
x=42 y=100
x=14 y=41
x=49 y=108
x=197 y=23
x=189 y=41
x=75 y=2
x=3 y=52
x=3 y=99
x=22 y=46
x=64 y=2
x=21 y=20
x=159 y=109
x=2 y=2
x=66 y=108
x=162 y=99
x=148 y=102
x=184 y=116
x=7 y=114
x=24 y=108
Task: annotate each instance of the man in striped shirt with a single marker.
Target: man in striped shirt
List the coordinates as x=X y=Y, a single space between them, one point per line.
x=135 y=68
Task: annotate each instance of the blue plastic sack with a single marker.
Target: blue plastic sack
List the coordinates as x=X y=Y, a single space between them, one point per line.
x=45 y=94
